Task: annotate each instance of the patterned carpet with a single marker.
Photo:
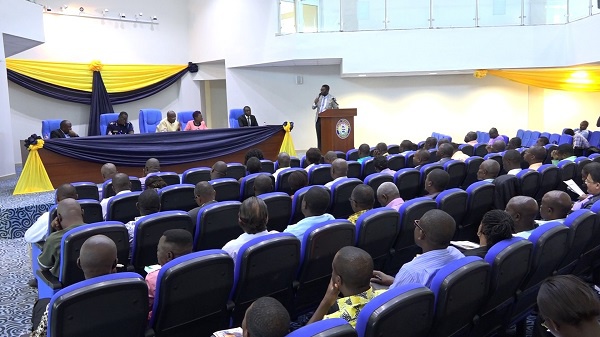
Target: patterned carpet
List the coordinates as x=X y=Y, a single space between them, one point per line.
x=16 y=297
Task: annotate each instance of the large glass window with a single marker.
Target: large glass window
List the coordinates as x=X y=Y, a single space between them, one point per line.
x=407 y=14
x=499 y=13
x=455 y=13
x=287 y=17
x=363 y=15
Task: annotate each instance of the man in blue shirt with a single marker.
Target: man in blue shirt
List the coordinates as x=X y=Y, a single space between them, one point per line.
x=314 y=206
x=433 y=233
x=121 y=126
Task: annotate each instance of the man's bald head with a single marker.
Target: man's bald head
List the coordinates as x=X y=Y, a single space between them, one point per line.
x=555 y=205
x=121 y=182
x=152 y=165
x=489 y=169
x=283 y=159
x=263 y=183
x=98 y=256
x=108 y=171
x=498 y=146
x=219 y=170
x=535 y=154
x=445 y=150
x=523 y=210
x=65 y=191
x=339 y=168
x=204 y=192
x=69 y=213
x=438 y=227
x=387 y=192
x=329 y=157
x=362 y=197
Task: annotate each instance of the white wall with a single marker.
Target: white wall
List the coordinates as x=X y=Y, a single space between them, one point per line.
x=7 y=164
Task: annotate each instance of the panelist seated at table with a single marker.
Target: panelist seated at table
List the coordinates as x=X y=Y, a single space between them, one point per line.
x=169 y=124
x=197 y=123
x=121 y=126
x=247 y=119
x=64 y=131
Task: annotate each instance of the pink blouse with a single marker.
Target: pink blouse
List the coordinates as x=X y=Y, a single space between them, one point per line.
x=190 y=126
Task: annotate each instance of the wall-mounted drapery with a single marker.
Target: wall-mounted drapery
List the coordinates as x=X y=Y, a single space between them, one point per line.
x=582 y=78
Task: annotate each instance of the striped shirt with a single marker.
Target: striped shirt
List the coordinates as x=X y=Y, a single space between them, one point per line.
x=423 y=268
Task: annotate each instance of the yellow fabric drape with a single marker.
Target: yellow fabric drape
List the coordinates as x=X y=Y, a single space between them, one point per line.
x=288 y=144
x=78 y=76
x=34 y=177
x=583 y=78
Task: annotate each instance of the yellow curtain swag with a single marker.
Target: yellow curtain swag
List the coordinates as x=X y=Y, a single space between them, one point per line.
x=78 y=76
x=34 y=177
x=288 y=143
x=581 y=79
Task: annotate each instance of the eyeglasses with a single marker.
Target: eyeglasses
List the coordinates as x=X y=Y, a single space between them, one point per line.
x=589 y=182
x=419 y=227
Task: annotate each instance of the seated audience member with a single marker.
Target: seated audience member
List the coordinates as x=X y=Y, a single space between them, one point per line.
x=108 y=171
x=257 y=153
x=592 y=183
x=361 y=200
x=38 y=231
x=172 y=244
x=351 y=273
x=204 y=194
x=458 y=154
x=535 y=156
x=339 y=170
x=555 y=206
x=247 y=119
x=381 y=149
x=389 y=196
x=148 y=203
x=542 y=141
x=436 y=182
x=69 y=216
x=582 y=130
x=152 y=166
x=494 y=136
x=64 y=131
x=514 y=143
x=421 y=157
x=297 y=180
x=523 y=211
x=495 y=226
x=197 y=123
x=218 y=170
x=364 y=153
x=580 y=143
x=433 y=233
x=266 y=317
x=471 y=138
x=314 y=207
x=283 y=161
x=121 y=126
x=488 y=170
x=563 y=152
x=252 y=218
x=430 y=143
x=497 y=147
x=445 y=152
x=329 y=157
x=155 y=182
x=263 y=184
x=381 y=165
x=569 y=307
x=406 y=145
x=169 y=124
x=511 y=161
x=313 y=157
x=97 y=257
x=253 y=165
x=120 y=184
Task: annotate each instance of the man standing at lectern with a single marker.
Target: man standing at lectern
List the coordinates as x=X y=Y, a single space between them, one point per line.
x=323 y=102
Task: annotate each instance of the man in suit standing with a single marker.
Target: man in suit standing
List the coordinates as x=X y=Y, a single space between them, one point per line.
x=247 y=119
x=323 y=102
x=64 y=131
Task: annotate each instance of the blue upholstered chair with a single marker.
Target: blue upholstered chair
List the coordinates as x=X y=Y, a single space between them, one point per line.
x=352 y=154
x=554 y=138
x=581 y=233
x=235 y=170
x=481 y=199
x=234 y=114
x=393 y=149
x=195 y=175
x=171 y=178
x=396 y=161
x=453 y=202
x=334 y=327
x=341 y=191
x=376 y=232
x=226 y=189
x=473 y=164
x=408 y=181
x=457 y=170
x=319 y=174
x=533 y=139
x=86 y=190
x=92 y=212
x=105 y=119
x=49 y=125
x=217 y=224
x=375 y=180
x=279 y=207
x=149 y=119
x=267 y=166
x=183 y=117
x=529 y=181
x=177 y=197
x=118 y=302
x=247 y=184
x=565 y=139
x=122 y=207
x=282 y=185
x=107 y=190
x=354 y=169
x=297 y=203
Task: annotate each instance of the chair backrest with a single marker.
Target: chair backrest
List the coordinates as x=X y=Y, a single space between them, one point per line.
x=533 y=139
x=122 y=207
x=148 y=231
x=520 y=133
x=457 y=170
x=507 y=186
x=473 y=164
x=192 y=293
x=393 y=149
x=334 y=327
x=226 y=189
x=107 y=189
x=460 y=289
x=279 y=207
x=105 y=119
x=529 y=181
x=341 y=191
x=183 y=117
x=352 y=154
x=118 y=302
x=177 y=197
x=149 y=119
x=195 y=175
x=92 y=212
x=247 y=184
x=375 y=180
x=595 y=138
x=267 y=166
x=581 y=231
x=235 y=170
x=409 y=306
x=49 y=125
x=549 y=248
x=234 y=114
x=549 y=179
x=265 y=266
x=86 y=190
x=408 y=181
x=73 y=239
x=580 y=162
x=554 y=138
x=396 y=161
x=481 y=200
x=297 y=214
x=281 y=184
x=294 y=162
x=171 y=178
x=216 y=225
x=479 y=149
x=320 y=243
x=376 y=232
x=453 y=202
x=354 y=169
x=319 y=174
x=565 y=139
x=367 y=167
x=567 y=170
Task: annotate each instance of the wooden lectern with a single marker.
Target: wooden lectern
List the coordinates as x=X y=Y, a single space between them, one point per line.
x=337 y=129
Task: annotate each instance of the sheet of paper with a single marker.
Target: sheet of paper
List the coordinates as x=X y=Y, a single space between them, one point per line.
x=465 y=244
x=572 y=186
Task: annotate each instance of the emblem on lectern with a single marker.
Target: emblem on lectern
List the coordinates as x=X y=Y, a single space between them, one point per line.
x=342 y=128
